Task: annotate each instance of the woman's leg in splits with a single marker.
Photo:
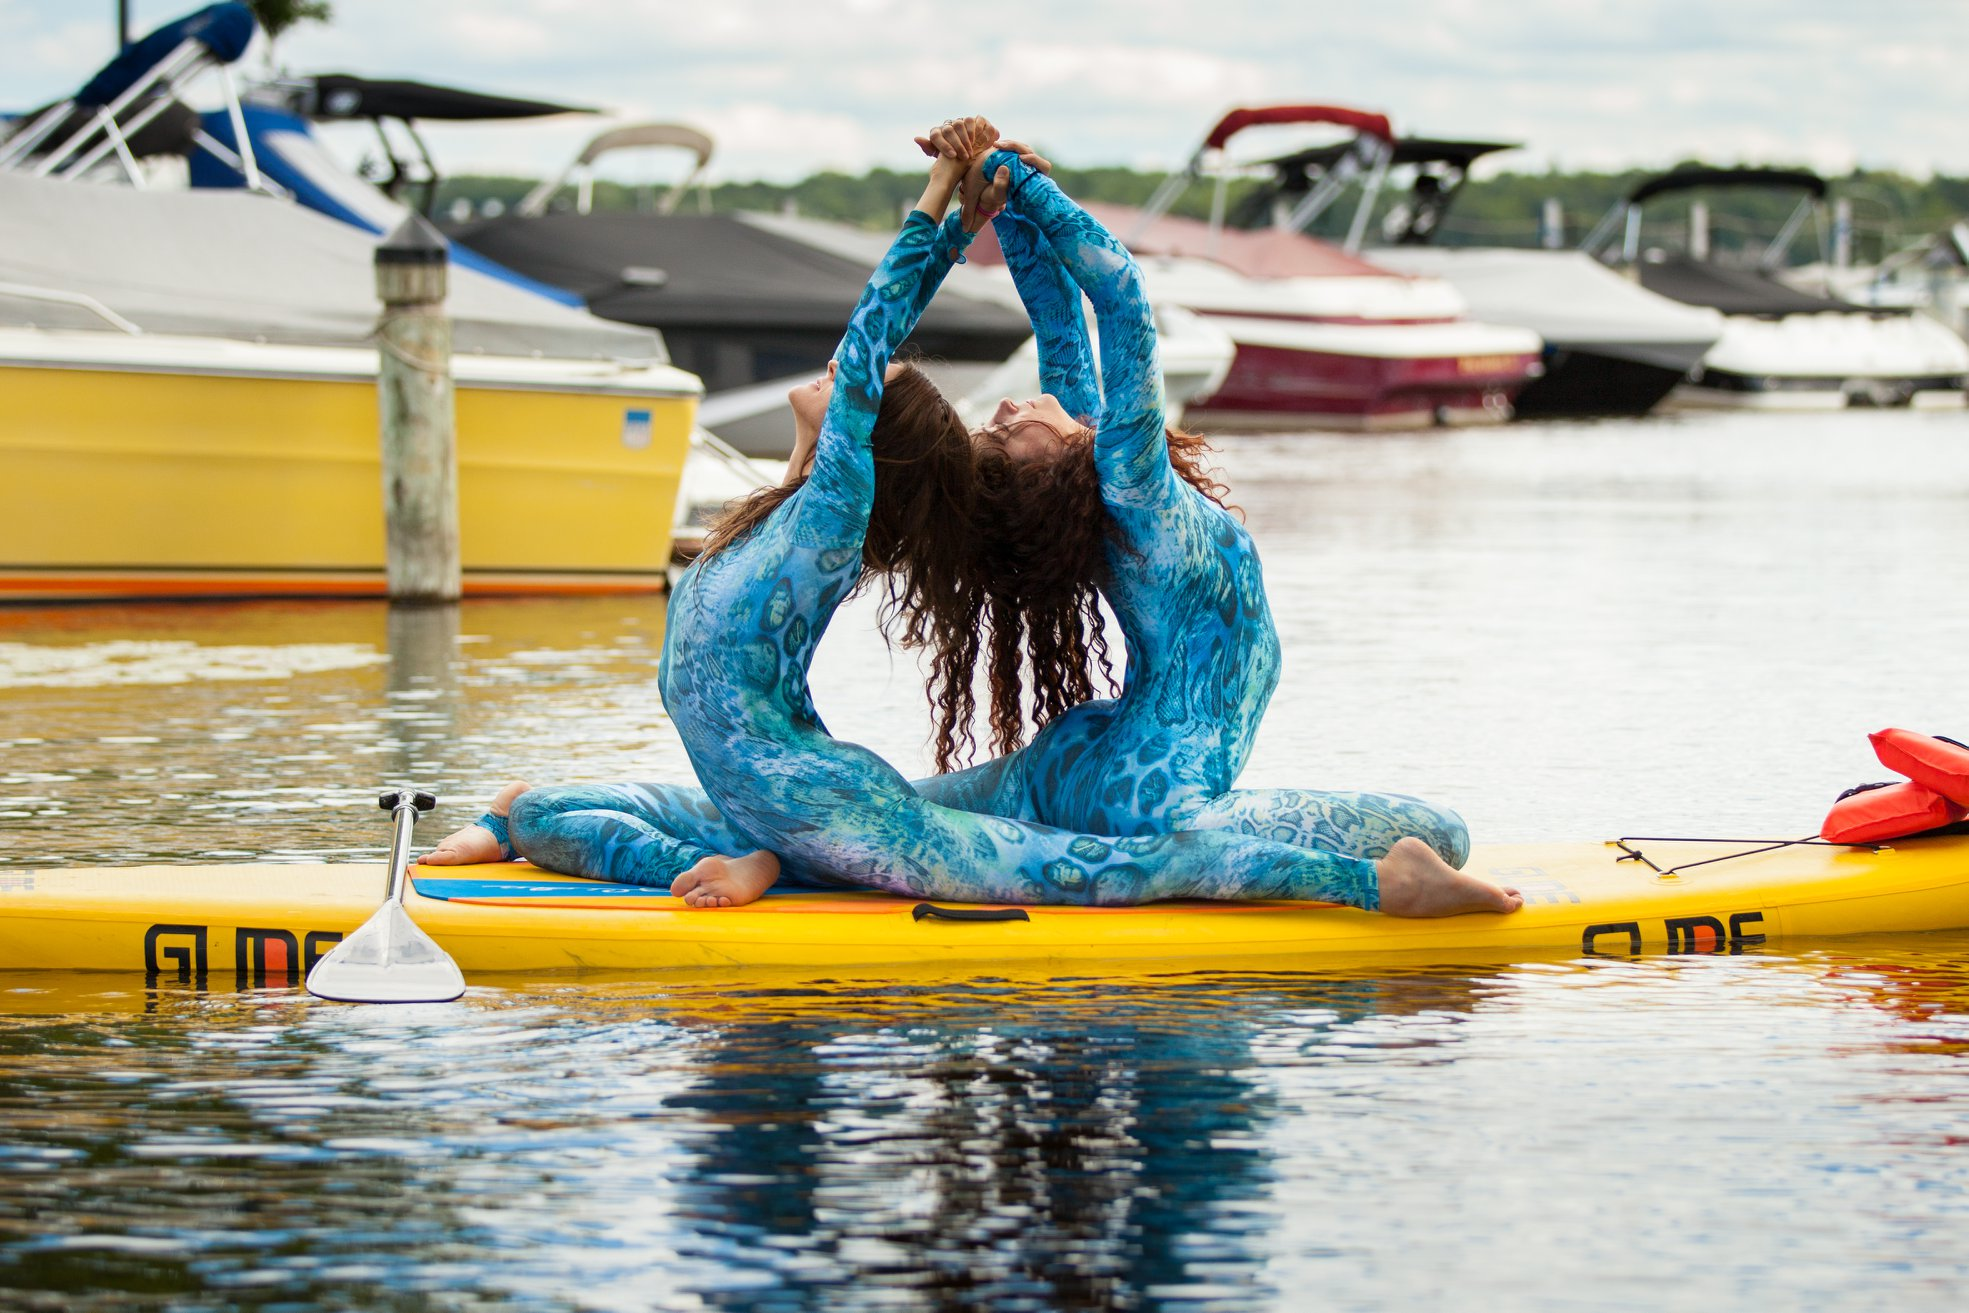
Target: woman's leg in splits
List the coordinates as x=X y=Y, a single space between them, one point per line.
x=965 y=857
x=644 y=834
x=652 y=834
x=648 y=834
x=1359 y=824
x=845 y=816
x=658 y=835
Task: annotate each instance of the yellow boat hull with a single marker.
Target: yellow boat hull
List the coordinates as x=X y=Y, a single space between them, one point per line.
x=253 y=925
x=244 y=480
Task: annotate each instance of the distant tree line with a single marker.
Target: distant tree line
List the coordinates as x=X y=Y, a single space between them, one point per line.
x=1889 y=210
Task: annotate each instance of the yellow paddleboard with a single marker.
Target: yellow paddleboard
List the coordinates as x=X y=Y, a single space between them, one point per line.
x=264 y=924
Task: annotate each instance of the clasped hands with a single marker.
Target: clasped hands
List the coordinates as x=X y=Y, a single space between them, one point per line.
x=959 y=147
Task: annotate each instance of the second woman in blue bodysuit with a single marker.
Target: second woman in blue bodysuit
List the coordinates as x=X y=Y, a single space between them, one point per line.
x=1182 y=578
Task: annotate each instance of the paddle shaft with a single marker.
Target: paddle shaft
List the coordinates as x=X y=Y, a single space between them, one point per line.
x=404 y=819
x=404 y=806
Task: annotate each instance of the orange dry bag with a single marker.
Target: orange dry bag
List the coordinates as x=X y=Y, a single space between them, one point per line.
x=1887 y=811
x=1939 y=764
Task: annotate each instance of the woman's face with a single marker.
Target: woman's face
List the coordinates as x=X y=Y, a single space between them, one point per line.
x=810 y=400
x=1025 y=430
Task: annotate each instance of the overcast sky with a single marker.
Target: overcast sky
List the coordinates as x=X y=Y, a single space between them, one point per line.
x=790 y=86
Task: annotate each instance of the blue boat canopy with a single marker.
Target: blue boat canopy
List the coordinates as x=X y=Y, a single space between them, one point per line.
x=223 y=29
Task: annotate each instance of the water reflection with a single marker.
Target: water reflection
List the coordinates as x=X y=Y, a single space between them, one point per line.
x=1787 y=1125
x=422 y=688
x=278 y=760
x=1077 y=1143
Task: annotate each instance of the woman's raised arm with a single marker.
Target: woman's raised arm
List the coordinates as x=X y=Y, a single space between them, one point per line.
x=1052 y=302
x=909 y=275
x=1131 y=448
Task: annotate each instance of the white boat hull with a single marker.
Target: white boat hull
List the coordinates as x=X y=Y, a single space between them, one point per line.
x=1829 y=361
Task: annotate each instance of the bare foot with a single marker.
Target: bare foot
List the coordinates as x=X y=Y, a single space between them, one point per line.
x=727 y=881
x=1417 y=882
x=474 y=845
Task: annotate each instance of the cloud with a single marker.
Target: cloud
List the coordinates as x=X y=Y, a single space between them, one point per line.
x=502 y=38
x=1127 y=75
x=755 y=136
x=795 y=84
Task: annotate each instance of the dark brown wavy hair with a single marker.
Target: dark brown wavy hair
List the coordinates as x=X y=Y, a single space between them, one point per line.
x=977 y=551
x=920 y=543
x=1044 y=535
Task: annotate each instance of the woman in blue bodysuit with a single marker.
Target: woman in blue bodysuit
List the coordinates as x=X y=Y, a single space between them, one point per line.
x=742 y=628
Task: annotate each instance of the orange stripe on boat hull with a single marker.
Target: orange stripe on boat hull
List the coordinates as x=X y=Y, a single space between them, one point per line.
x=83 y=587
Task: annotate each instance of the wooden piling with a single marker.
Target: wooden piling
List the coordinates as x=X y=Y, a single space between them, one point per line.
x=413 y=392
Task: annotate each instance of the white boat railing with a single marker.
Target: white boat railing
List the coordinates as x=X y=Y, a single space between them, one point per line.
x=81 y=300
x=119 y=120
x=635 y=136
x=725 y=454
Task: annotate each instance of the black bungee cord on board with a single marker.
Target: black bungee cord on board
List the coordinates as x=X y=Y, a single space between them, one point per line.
x=1625 y=841
x=1772 y=845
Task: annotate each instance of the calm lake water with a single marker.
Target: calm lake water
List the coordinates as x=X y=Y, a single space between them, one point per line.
x=1678 y=626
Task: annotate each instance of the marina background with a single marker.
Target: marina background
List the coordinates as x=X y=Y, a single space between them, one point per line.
x=1501 y=209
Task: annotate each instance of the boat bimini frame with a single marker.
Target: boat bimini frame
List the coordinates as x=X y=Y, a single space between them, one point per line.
x=1441 y=167
x=1368 y=153
x=346 y=98
x=134 y=90
x=635 y=136
x=1624 y=217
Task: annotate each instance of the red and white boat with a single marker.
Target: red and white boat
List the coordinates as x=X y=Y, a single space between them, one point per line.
x=1324 y=339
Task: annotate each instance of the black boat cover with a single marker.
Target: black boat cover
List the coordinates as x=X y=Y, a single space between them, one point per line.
x=343 y=96
x=1294 y=174
x=1703 y=176
x=711 y=271
x=1408 y=150
x=1733 y=291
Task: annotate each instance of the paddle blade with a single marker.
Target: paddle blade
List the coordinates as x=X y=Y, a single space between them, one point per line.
x=387 y=960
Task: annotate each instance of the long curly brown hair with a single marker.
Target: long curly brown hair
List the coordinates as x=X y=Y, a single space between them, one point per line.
x=1044 y=536
x=920 y=542
x=977 y=551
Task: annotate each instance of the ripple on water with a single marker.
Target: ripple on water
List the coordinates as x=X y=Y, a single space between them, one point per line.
x=128 y=662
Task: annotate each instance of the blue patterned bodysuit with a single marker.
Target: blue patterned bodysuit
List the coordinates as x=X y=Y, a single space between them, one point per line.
x=742 y=629
x=1183 y=581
